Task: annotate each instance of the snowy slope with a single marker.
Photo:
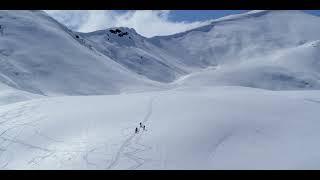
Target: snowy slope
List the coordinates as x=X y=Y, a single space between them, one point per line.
x=264 y=49
x=244 y=47
x=10 y=95
x=187 y=128
x=239 y=37
x=202 y=119
x=39 y=55
x=290 y=68
x=133 y=51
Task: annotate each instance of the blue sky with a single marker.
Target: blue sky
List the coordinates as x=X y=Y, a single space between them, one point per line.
x=201 y=15
x=147 y=23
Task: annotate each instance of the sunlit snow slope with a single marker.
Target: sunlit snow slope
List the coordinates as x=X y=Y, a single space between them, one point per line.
x=191 y=128
x=71 y=100
x=275 y=50
x=39 y=55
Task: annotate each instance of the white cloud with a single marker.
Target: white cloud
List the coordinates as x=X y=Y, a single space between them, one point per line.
x=146 y=22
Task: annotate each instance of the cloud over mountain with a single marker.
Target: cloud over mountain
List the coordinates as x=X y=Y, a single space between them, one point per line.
x=147 y=23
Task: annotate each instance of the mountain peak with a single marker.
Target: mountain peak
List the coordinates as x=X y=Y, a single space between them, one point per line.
x=123 y=29
x=119 y=31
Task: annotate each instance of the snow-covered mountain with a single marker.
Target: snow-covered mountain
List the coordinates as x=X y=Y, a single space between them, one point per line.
x=136 y=53
x=187 y=89
x=286 y=69
x=39 y=55
x=264 y=49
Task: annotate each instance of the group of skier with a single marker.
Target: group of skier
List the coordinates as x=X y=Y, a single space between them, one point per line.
x=140 y=126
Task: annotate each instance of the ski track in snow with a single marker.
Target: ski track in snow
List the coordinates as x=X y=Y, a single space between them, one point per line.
x=128 y=144
x=312 y=100
x=18 y=118
x=219 y=143
x=22 y=117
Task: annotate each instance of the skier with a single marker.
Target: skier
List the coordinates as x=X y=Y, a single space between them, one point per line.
x=136 y=130
x=140 y=124
x=144 y=127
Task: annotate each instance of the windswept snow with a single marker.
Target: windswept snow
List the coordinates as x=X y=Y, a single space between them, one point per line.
x=290 y=68
x=187 y=128
x=71 y=100
x=39 y=55
x=264 y=49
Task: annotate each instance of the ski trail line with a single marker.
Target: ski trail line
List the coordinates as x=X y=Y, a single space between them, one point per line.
x=312 y=100
x=128 y=141
x=139 y=161
x=146 y=118
x=117 y=157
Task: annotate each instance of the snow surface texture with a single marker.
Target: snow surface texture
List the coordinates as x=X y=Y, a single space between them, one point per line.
x=71 y=100
x=187 y=128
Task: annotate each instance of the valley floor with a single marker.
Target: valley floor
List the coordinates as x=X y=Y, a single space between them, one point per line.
x=225 y=127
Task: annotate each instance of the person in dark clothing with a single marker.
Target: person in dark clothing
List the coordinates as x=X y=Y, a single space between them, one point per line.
x=144 y=127
x=136 y=131
x=140 y=124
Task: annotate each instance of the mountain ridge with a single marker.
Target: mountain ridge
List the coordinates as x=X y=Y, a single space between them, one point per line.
x=117 y=59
